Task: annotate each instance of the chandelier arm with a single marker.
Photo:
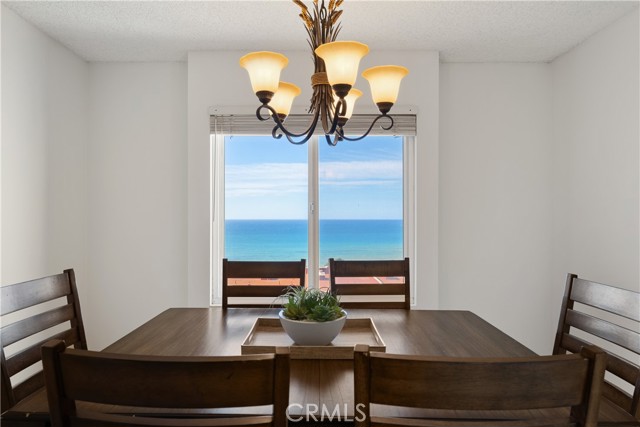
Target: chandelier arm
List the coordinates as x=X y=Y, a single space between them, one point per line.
x=265 y=118
x=277 y=133
x=337 y=137
x=342 y=136
x=340 y=110
x=280 y=130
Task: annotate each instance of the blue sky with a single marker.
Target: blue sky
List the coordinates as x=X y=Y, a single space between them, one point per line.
x=267 y=179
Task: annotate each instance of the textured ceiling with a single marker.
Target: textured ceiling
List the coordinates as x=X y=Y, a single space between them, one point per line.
x=463 y=31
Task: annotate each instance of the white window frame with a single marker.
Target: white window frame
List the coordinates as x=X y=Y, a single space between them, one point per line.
x=217 y=210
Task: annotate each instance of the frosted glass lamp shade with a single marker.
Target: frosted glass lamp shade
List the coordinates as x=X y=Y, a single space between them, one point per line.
x=341 y=59
x=264 y=71
x=283 y=98
x=351 y=99
x=385 y=83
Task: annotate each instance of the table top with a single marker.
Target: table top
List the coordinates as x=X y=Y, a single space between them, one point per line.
x=213 y=331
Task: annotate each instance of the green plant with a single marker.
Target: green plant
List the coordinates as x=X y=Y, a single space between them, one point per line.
x=311 y=304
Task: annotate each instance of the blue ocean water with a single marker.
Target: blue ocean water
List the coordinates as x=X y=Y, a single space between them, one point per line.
x=272 y=240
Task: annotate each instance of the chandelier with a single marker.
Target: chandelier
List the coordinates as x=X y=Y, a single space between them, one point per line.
x=336 y=68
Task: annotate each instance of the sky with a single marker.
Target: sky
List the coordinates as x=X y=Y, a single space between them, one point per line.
x=267 y=179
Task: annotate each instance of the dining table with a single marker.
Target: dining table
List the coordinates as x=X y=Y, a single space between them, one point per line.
x=314 y=383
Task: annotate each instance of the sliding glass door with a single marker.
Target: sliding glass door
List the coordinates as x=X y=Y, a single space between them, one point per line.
x=272 y=200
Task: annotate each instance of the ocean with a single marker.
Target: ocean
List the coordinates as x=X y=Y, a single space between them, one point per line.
x=272 y=240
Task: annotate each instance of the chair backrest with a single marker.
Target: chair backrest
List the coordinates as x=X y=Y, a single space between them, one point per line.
x=497 y=384
x=374 y=279
x=31 y=308
x=163 y=383
x=259 y=279
x=613 y=316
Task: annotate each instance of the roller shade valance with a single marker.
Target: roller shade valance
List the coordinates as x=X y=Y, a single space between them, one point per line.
x=248 y=124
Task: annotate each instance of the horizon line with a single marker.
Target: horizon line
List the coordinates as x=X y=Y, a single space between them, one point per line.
x=321 y=219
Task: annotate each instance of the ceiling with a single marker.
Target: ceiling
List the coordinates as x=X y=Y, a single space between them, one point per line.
x=463 y=31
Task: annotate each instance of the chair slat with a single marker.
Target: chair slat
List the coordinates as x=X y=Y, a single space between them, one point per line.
x=96 y=419
x=370 y=289
x=615 y=364
x=30 y=385
x=374 y=304
x=606 y=330
x=14 y=332
x=387 y=268
x=32 y=354
x=609 y=298
x=413 y=422
x=152 y=382
x=255 y=291
x=263 y=269
x=489 y=385
x=22 y=295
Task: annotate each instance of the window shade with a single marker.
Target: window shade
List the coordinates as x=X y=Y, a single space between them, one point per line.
x=248 y=124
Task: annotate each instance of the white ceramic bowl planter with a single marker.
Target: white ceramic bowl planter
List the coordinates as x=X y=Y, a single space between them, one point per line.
x=308 y=332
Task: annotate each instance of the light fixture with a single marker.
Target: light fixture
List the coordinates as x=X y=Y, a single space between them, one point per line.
x=336 y=69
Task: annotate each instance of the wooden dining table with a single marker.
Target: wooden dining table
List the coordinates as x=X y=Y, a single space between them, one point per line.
x=314 y=382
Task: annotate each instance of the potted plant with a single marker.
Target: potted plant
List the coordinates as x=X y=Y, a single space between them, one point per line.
x=311 y=316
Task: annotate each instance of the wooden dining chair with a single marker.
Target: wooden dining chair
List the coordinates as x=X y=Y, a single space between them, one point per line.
x=371 y=284
x=609 y=317
x=499 y=391
x=32 y=313
x=253 y=280
x=179 y=385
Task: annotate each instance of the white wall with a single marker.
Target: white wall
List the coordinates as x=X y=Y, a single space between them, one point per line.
x=94 y=178
x=596 y=159
x=495 y=195
x=138 y=197
x=539 y=176
x=44 y=155
x=215 y=79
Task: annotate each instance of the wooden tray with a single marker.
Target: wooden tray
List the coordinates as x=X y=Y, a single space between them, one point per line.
x=267 y=334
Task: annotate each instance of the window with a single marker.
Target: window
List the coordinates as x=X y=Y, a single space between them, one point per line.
x=277 y=201
x=265 y=199
x=360 y=207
